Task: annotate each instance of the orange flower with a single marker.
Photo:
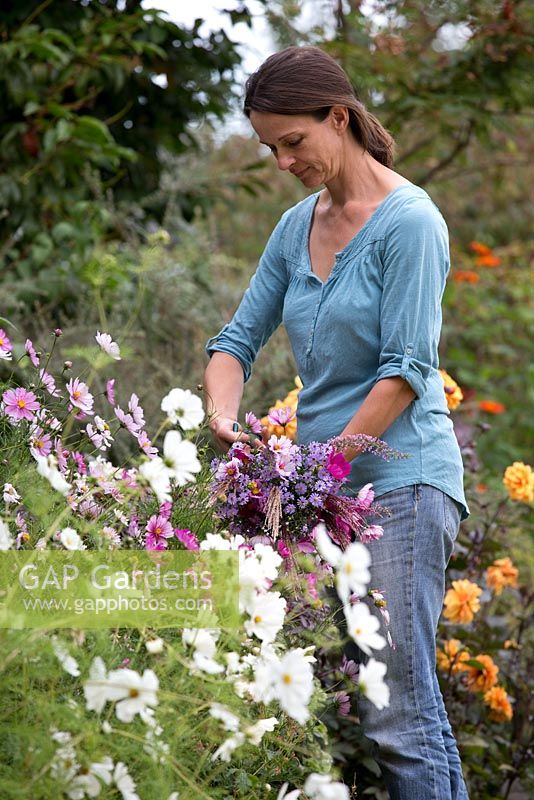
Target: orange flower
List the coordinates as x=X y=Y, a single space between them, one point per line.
x=461 y=602
x=291 y=400
x=453 y=393
x=487 y=260
x=500 y=707
x=480 y=249
x=519 y=480
x=480 y=679
x=482 y=487
x=501 y=573
x=451 y=657
x=491 y=407
x=465 y=276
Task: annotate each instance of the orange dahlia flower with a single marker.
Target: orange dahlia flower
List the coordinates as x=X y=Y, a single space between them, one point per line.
x=465 y=276
x=291 y=400
x=453 y=393
x=501 y=573
x=461 y=602
x=480 y=249
x=480 y=679
x=487 y=260
x=519 y=480
x=451 y=657
x=500 y=707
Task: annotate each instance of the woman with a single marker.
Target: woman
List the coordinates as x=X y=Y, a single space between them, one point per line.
x=356 y=272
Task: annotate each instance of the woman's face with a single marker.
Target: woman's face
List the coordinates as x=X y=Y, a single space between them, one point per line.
x=310 y=150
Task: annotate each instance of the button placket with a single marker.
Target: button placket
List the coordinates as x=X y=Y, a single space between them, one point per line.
x=314 y=321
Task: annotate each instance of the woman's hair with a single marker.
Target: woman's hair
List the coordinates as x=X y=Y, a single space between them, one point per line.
x=305 y=80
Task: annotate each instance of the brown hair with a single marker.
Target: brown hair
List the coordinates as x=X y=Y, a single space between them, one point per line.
x=301 y=80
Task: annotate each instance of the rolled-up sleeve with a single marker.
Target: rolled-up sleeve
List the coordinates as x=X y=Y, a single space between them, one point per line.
x=260 y=310
x=415 y=266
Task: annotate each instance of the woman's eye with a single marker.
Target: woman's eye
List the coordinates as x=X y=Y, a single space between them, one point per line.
x=295 y=143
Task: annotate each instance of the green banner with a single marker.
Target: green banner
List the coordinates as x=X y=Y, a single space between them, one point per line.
x=119 y=588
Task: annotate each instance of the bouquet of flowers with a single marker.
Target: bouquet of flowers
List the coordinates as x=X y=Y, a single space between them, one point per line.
x=281 y=490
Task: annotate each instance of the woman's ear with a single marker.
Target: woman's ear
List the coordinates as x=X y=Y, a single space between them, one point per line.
x=340 y=118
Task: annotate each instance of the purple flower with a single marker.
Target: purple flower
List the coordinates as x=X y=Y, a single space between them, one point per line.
x=342 y=701
x=228 y=470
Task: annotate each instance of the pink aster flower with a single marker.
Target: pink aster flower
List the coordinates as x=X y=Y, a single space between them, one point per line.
x=106 y=343
x=5 y=342
x=30 y=349
x=338 y=466
x=19 y=403
x=79 y=395
x=187 y=538
x=110 y=391
x=146 y=445
x=281 y=416
x=49 y=383
x=40 y=443
x=158 y=530
x=253 y=422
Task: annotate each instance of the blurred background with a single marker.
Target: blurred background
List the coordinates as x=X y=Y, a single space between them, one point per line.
x=135 y=199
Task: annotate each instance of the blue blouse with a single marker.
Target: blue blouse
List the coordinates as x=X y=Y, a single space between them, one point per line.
x=378 y=315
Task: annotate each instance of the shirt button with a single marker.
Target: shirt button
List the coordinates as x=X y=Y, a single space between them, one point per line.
x=409 y=351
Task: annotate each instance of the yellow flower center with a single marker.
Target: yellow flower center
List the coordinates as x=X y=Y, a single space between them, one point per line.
x=287 y=679
x=257 y=618
x=133 y=692
x=21 y=403
x=358 y=631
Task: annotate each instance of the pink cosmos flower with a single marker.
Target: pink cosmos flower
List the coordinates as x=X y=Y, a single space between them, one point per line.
x=40 y=443
x=338 y=466
x=79 y=460
x=253 y=422
x=61 y=453
x=34 y=358
x=19 y=403
x=5 y=342
x=366 y=495
x=127 y=421
x=284 y=465
x=187 y=538
x=100 y=434
x=49 y=383
x=136 y=411
x=283 y=549
x=158 y=531
x=146 y=445
x=281 y=416
x=80 y=396
x=165 y=509
x=281 y=445
x=371 y=533
x=229 y=470
x=110 y=391
x=311 y=579
x=106 y=343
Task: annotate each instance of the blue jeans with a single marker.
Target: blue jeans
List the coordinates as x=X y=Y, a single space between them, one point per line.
x=415 y=747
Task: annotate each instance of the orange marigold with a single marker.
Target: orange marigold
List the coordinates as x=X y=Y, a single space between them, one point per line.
x=500 y=707
x=519 y=480
x=491 y=407
x=291 y=400
x=501 y=573
x=465 y=276
x=487 y=260
x=461 y=602
x=480 y=249
x=480 y=679
x=452 y=655
x=453 y=393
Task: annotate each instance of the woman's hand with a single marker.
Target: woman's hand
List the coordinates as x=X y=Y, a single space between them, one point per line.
x=224 y=433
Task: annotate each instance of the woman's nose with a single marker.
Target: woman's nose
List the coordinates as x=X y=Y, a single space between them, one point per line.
x=285 y=162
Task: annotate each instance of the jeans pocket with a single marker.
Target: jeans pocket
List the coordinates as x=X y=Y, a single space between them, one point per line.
x=451 y=523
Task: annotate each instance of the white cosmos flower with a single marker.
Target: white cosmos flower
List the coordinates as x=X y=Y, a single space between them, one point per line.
x=351 y=564
x=256 y=732
x=371 y=683
x=132 y=693
x=88 y=783
x=70 y=539
x=124 y=782
x=289 y=680
x=95 y=689
x=283 y=795
x=322 y=787
x=204 y=640
x=10 y=494
x=155 y=645
x=184 y=408
x=215 y=541
x=106 y=344
x=230 y=721
x=67 y=661
x=362 y=626
x=267 y=612
x=180 y=458
x=47 y=467
x=224 y=752
x=158 y=476
x=6 y=540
